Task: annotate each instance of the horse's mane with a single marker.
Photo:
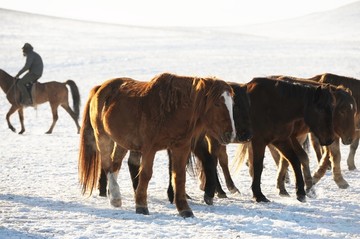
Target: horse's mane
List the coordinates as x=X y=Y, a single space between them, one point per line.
x=347 y=82
x=178 y=90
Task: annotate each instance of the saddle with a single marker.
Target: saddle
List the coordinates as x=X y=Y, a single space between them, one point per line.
x=30 y=87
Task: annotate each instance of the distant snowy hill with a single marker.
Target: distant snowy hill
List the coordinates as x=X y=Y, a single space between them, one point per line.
x=340 y=23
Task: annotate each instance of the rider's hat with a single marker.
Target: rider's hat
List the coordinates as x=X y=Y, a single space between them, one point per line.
x=27 y=46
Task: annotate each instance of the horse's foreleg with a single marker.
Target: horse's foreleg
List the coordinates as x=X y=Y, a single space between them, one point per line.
x=316 y=146
x=351 y=156
x=286 y=148
x=282 y=172
x=258 y=151
x=323 y=165
x=72 y=115
x=179 y=161
x=335 y=158
x=224 y=163
x=9 y=113
x=145 y=175
x=305 y=163
x=55 y=117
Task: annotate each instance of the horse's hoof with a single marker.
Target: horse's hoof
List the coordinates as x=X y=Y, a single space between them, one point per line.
x=311 y=192
x=351 y=168
x=284 y=193
x=221 y=195
x=188 y=197
x=102 y=194
x=301 y=198
x=186 y=213
x=142 y=210
x=22 y=131
x=116 y=202
x=343 y=184
x=234 y=190
x=208 y=200
x=261 y=199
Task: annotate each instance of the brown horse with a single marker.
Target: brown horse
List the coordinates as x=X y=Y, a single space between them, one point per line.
x=56 y=93
x=275 y=106
x=165 y=113
x=200 y=147
x=344 y=127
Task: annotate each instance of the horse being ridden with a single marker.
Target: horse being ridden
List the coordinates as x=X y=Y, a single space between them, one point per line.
x=56 y=93
x=166 y=113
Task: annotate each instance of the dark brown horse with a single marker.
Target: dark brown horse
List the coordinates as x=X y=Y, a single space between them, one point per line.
x=333 y=154
x=56 y=93
x=344 y=127
x=275 y=106
x=166 y=113
x=200 y=148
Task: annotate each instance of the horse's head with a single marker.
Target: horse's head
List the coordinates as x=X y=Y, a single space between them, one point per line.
x=218 y=117
x=319 y=114
x=242 y=113
x=344 y=115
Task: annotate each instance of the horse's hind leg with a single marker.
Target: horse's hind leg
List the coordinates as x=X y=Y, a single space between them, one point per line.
x=73 y=116
x=351 y=156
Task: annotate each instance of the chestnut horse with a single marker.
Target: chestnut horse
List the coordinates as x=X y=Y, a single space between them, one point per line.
x=165 y=113
x=56 y=93
x=241 y=111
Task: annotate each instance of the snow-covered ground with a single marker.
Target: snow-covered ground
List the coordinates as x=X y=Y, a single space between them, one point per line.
x=39 y=191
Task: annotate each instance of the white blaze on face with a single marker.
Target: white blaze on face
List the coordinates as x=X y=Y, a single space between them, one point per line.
x=229 y=104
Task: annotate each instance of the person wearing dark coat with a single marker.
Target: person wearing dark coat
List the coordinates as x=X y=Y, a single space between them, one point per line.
x=34 y=68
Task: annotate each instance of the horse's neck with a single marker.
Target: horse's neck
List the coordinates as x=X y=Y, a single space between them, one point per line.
x=6 y=82
x=296 y=105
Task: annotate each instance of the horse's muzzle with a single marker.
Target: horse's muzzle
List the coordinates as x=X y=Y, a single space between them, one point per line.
x=347 y=141
x=228 y=137
x=327 y=142
x=244 y=136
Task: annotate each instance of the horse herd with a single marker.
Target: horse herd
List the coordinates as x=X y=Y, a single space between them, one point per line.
x=200 y=116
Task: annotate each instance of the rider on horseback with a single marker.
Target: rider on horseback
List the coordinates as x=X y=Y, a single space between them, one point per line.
x=34 y=66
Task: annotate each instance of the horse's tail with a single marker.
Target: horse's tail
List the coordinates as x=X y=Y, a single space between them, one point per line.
x=75 y=96
x=89 y=161
x=243 y=153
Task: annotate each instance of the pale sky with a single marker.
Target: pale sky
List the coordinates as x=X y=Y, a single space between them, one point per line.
x=175 y=12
